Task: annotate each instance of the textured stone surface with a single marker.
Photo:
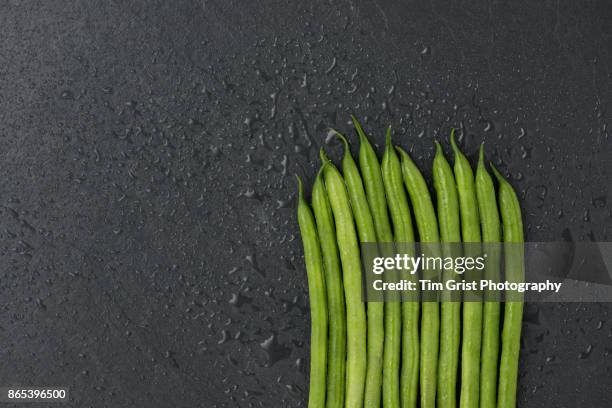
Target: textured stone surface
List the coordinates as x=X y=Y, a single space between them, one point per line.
x=150 y=253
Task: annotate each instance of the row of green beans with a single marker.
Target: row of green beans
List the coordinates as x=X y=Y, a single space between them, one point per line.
x=407 y=354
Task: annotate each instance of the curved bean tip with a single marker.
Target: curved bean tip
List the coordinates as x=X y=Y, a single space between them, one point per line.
x=300 y=188
x=453 y=142
x=439 y=151
x=320 y=172
x=497 y=174
x=323 y=156
x=342 y=139
x=388 y=142
x=362 y=136
x=402 y=152
x=481 y=155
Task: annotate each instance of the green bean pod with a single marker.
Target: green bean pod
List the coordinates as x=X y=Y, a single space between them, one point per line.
x=375 y=192
x=318 y=302
x=404 y=234
x=472 y=308
x=450 y=326
x=348 y=247
x=513 y=309
x=427 y=227
x=374 y=185
x=491 y=233
x=336 y=352
x=367 y=233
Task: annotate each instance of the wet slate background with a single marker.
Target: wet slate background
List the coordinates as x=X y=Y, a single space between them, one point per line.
x=149 y=248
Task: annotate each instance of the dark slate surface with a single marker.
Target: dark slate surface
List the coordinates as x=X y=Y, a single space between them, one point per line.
x=150 y=253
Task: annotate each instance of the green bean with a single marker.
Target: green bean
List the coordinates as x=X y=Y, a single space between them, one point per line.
x=513 y=309
x=357 y=194
x=450 y=330
x=424 y=212
x=367 y=233
x=491 y=233
x=468 y=207
x=427 y=227
x=472 y=308
x=374 y=186
x=404 y=234
x=348 y=247
x=318 y=302
x=375 y=192
x=336 y=354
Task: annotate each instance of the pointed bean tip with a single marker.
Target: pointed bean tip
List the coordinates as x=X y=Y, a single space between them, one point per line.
x=360 y=132
x=438 y=147
x=452 y=141
x=320 y=172
x=497 y=174
x=323 y=156
x=300 y=187
x=481 y=155
x=342 y=139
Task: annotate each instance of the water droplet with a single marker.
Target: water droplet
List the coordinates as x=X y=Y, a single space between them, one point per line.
x=224 y=337
x=331 y=135
x=586 y=353
x=599 y=202
x=250 y=193
x=274 y=350
x=67 y=95
x=525 y=152
x=332 y=66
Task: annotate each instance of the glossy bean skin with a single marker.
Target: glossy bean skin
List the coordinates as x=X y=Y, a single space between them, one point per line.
x=491 y=233
x=404 y=236
x=357 y=195
x=374 y=185
x=348 y=246
x=336 y=351
x=367 y=233
x=375 y=192
x=513 y=309
x=427 y=227
x=450 y=325
x=318 y=302
x=472 y=309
